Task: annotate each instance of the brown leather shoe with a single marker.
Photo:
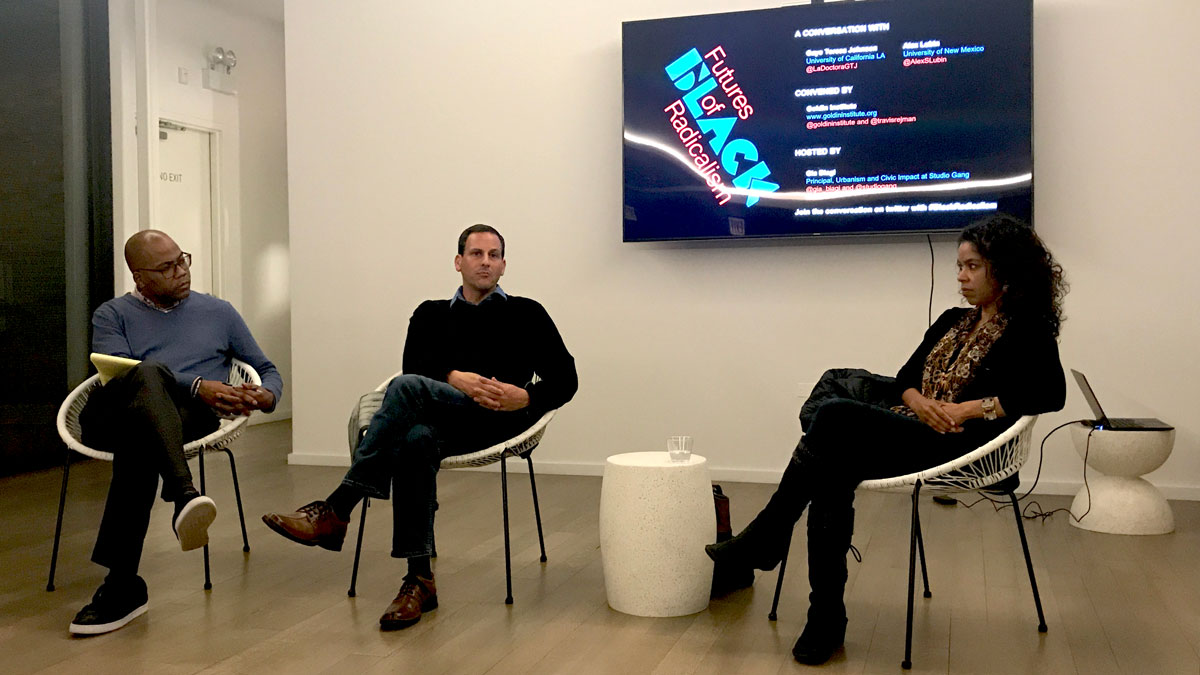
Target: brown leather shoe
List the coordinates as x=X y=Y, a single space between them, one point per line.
x=417 y=595
x=313 y=525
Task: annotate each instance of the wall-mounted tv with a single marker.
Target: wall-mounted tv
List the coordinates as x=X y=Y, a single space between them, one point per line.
x=839 y=118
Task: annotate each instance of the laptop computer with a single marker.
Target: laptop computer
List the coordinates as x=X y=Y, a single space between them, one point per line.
x=1103 y=421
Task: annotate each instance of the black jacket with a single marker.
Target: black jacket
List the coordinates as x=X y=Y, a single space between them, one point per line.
x=1022 y=369
x=852 y=383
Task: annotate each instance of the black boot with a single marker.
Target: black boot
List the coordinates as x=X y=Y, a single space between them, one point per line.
x=764 y=541
x=820 y=640
x=830 y=527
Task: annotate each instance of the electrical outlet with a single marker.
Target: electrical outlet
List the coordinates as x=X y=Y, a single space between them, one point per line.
x=183 y=75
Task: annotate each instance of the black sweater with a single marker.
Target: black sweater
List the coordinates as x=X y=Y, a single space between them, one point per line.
x=1021 y=369
x=508 y=338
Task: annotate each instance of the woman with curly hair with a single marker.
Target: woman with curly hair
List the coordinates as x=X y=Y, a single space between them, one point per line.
x=976 y=372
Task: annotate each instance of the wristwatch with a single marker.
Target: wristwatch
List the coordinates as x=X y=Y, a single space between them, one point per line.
x=989 y=408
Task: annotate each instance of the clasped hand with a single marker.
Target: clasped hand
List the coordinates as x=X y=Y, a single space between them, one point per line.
x=941 y=416
x=231 y=401
x=488 y=391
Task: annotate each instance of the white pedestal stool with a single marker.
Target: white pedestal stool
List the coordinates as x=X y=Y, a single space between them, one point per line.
x=1122 y=502
x=656 y=515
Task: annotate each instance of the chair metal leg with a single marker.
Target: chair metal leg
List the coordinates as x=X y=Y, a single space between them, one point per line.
x=537 y=513
x=921 y=550
x=433 y=535
x=508 y=550
x=507 y=545
x=207 y=574
x=1037 y=599
x=912 y=563
x=62 y=502
x=362 y=525
x=779 y=579
x=237 y=492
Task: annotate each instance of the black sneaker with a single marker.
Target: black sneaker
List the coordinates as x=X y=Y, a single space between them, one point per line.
x=111 y=607
x=192 y=520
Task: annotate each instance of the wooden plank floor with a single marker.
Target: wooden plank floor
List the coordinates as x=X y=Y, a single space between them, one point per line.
x=1113 y=604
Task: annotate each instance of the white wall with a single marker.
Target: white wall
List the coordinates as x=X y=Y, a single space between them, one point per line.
x=253 y=153
x=434 y=116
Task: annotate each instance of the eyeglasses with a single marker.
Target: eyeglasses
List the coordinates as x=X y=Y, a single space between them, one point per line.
x=168 y=269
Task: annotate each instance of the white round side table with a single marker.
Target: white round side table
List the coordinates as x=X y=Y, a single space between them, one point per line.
x=656 y=515
x=1122 y=502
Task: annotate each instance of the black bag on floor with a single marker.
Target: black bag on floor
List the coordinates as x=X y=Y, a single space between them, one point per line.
x=721 y=502
x=724 y=579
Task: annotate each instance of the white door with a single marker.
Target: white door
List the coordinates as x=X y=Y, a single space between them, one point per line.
x=185 y=204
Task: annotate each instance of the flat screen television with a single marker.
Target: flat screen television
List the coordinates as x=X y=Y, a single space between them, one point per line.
x=846 y=118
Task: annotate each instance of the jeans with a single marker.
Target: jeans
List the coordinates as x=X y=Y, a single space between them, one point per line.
x=144 y=418
x=421 y=422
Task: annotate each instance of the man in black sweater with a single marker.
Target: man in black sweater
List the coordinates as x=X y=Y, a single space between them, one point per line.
x=469 y=366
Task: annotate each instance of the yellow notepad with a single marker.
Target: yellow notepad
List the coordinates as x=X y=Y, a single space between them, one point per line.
x=111 y=366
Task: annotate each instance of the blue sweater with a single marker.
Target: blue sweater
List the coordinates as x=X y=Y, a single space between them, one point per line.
x=195 y=339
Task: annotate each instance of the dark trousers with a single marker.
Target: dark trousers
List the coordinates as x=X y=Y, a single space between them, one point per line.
x=421 y=422
x=144 y=418
x=848 y=442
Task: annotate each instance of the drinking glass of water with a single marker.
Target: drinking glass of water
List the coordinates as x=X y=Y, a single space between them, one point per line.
x=679 y=448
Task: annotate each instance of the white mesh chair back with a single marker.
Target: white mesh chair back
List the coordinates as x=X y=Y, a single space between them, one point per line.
x=71 y=433
x=986 y=465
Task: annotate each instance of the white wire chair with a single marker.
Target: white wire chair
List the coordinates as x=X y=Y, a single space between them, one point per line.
x=71 y=432
x=982 y=469
x=522 y=445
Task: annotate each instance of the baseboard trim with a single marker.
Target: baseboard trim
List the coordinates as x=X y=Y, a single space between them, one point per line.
x=597 y=469
x=280 y=414
x=1189 y=493
x=733 y=475
x=310 y=459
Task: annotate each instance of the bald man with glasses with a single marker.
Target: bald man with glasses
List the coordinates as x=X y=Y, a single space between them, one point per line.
x=185 y=342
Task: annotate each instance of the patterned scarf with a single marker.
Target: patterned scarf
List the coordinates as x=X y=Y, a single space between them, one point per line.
x=952 y=362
